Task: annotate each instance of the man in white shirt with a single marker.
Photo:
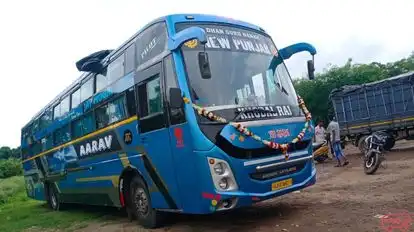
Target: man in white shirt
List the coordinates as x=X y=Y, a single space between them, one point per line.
x=333 y=130
x=319 y=133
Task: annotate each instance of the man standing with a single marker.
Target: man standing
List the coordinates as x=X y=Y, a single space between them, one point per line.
x=319 y=133
x=333 y=129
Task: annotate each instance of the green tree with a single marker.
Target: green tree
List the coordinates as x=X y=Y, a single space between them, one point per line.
x=5 y=152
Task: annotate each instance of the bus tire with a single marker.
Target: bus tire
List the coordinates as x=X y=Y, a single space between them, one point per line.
x=147 y=216
x=53 y=198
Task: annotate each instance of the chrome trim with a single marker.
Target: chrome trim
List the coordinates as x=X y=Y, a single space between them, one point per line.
x=276 y=121
x=275 y=158
x=259 y=168
x=170 y=210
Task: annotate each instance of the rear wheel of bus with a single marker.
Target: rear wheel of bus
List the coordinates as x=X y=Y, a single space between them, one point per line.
x=141 y=206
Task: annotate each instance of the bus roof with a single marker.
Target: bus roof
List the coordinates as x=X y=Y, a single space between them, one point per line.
x=172 y=19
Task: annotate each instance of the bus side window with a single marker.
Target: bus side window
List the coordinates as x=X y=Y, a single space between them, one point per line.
x=151 y=110
x=82 y=126
x=131 y=103
x=110 y=113
x=62 y=135
x=115 y=69
x=47 y=143
x=176 y=116
x=130 y=58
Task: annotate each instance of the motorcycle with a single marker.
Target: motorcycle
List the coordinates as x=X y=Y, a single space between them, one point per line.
x=320 y=151
x=374 y=152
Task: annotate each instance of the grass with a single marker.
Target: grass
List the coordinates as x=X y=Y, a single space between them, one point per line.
x=20 y=213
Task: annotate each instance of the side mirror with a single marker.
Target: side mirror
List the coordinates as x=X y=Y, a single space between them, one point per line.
x=311 y=70
x=176 y=99
x=204 y=65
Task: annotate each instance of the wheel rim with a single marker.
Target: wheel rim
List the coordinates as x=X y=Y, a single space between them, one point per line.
x=53 y=199
x=141 y=202
x=369 y=162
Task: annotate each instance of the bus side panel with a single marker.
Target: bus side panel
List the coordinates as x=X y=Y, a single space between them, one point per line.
x=95 y=183
x=186 y=163
x=157 y=199
x=131 y=143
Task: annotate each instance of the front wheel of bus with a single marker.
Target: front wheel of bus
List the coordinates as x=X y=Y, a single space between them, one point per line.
x=141 y=203
x=53 y=198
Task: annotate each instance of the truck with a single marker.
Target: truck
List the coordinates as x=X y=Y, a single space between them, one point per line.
x=385 y=106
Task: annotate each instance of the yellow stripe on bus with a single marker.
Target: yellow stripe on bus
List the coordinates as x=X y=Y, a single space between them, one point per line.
x=113 y=179
x=128 y=120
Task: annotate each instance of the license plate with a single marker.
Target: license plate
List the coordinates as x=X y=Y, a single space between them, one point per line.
x=282 y=184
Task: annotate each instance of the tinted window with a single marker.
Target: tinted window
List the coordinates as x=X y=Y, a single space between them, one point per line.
x=176 y=115
x=56 y=111
x=46 y=119
x=64 y=106
x=76 y=100
x=62 y=135
x=83 y=126
x=102 y=118
x=151 y=42
x=170 y=79
x=77 y=128
x=87 y=90
x=110 y=113
x=88 y=124
x=131 y=103
x=115 y=69
x=116 y=110
x=130 y=59
x=101 y=82
x=154 y=100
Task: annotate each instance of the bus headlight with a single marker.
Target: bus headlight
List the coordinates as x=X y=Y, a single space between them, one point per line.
x=222 y=175
x=223 y=183
x=219 y=168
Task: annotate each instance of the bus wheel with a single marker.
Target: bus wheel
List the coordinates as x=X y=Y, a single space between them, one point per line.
x=53 y=197
x=141 y=204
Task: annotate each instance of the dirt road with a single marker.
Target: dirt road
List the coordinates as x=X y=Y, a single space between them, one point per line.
x=344 y=199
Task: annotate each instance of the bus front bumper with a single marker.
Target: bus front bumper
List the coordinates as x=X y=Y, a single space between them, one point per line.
x=236 y=199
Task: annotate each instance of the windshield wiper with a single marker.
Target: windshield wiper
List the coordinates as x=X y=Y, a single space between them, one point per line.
x=257 y=110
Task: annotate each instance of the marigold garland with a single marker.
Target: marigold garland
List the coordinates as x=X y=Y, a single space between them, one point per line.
x=244 y=130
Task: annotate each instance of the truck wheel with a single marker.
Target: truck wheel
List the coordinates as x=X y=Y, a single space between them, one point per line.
x=141 y=206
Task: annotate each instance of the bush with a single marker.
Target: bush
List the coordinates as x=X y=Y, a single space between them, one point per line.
x=10 y=167
x=10 y=187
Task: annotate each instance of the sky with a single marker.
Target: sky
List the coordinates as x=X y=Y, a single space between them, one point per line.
x=41 y=40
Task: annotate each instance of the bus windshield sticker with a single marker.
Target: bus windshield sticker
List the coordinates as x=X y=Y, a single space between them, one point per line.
x=233 y=39
x=264 y=112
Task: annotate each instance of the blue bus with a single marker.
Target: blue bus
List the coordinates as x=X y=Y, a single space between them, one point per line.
x=193 y=114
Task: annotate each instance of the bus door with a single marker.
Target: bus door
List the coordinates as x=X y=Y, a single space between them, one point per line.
x=154 y=135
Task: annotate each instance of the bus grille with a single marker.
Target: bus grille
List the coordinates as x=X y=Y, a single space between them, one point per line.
x=278 y=171
x=242 y=153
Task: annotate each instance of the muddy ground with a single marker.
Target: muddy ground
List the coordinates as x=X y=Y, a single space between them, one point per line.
x=344 y=199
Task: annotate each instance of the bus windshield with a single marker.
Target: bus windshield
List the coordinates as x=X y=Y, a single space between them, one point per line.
x=241 y=76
